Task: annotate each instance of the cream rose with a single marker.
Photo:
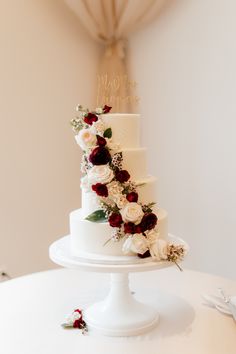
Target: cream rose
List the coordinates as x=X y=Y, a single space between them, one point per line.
x=86 y=139
x=132 y=212
x=152 y=235
x=136 y=243
x=159 y=249
x=100 y=174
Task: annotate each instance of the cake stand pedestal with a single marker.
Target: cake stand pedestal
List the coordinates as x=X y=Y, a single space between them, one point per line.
x=119 y=314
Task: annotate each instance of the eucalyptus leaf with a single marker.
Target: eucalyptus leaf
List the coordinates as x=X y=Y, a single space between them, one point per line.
x=108 y=133
x=97 y=216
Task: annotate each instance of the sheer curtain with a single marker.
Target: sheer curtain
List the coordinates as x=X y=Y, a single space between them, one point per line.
x=110 y=23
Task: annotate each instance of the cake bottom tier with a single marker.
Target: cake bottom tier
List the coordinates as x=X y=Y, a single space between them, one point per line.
x=88 y=237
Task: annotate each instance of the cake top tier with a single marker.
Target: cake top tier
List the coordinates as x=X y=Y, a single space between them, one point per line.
x=125 y=128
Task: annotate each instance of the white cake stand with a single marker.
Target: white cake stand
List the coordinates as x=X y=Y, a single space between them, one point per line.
x=119 y=314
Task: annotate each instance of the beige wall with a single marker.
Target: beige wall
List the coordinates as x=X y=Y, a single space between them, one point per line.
x=47 y=66
x=185 y=66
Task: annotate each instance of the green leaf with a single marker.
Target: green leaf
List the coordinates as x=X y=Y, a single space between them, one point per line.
x=97 y=216
x=108 y=133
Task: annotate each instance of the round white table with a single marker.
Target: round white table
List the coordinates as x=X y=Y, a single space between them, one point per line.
x=33 y=307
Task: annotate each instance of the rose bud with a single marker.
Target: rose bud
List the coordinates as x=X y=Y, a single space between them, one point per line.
x=122 y=176
x=100 y=156
x=90 y=118
x=149 y=221
x=129 y=228
x=100 y=189
x=132 y=197
x=106 y=109
x=101 y=141
x=115 y=220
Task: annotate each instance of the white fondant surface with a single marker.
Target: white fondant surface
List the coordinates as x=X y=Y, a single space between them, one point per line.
x=125 y=128
x=135 y=162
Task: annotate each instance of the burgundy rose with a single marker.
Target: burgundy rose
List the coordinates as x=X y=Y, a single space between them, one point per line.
x=100 y=156
x=79 y=322
x=148 y=221
x=122 y=176
x=79 y=311
x=129 y=228
x=101 y=141
x=132 y=197
x=115 y=220
x=90 y=118
x=100 y=189
x=144 y=255
x=138 y=229
x=106 y=109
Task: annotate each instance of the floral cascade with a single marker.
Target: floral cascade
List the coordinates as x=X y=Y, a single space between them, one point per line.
x=117 y=194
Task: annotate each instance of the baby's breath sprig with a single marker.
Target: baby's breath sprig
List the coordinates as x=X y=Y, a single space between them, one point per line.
x=129 y=187
x=109 y=208
x=175 y=253
x=77 y=124
x=116 y=162
x=147 y=208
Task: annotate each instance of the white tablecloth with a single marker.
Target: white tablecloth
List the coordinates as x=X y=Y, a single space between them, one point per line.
x=32 y=308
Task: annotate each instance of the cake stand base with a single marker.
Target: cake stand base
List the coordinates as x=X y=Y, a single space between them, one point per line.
x=119 y=314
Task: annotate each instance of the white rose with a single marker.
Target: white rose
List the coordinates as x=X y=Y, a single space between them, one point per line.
x=84 y=183
x=114 y=190
x=136 y=243
x=70 y=319
x=86 y=139
x=132 y=212
x=100 y=174
x=159 y=249
x=152 y=235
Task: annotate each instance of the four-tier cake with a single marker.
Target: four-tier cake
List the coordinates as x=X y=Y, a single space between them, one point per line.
x=119 y=216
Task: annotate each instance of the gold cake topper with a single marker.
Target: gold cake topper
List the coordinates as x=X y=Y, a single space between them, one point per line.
x=117 y=91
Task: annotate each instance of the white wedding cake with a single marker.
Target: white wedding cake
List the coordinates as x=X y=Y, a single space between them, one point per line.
x=119 y=216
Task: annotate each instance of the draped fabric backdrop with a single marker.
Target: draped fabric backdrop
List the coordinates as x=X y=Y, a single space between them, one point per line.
x=110 y=22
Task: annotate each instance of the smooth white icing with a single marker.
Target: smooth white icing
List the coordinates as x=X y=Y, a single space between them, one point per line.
x=125 y=128
x=135 y=162
x=91 y=237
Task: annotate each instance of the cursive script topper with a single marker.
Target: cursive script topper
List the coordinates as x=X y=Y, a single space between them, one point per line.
x=116 y=91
